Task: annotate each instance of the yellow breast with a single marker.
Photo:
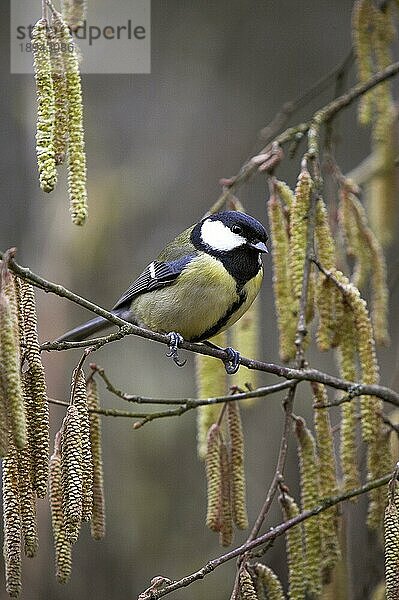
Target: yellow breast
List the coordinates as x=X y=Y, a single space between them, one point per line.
x=200 y=298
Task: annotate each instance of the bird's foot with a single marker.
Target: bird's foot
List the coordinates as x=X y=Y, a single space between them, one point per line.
x=232 y=363
x=175 y=339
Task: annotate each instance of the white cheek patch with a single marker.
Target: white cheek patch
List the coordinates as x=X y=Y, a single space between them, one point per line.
x=219 y=237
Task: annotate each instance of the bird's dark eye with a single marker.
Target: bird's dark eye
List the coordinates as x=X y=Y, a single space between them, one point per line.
x=236 y=229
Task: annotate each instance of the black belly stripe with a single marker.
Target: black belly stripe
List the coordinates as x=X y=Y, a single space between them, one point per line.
x=215 y=328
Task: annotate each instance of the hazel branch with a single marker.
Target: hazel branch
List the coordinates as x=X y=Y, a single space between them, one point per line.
x=271 y=535
x=385 y=393
x=323 y=115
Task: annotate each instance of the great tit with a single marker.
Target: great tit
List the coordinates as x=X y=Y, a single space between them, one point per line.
x=200 y=284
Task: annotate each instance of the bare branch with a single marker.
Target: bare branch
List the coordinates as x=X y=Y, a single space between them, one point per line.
x=272 y=534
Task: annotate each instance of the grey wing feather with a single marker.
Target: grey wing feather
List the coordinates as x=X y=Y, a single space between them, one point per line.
x=156 y=275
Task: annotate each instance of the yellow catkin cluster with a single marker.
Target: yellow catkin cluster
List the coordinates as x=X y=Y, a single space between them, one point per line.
x=45 y=107
x=10 y=367
x=374 y=33
x=76 y=147
x=237 y=465
x=60 y=97
x=309 y=476
x=325 y=292
x=12 y=523
x=371 y=407
x=295 y=555
x=327 y=480
x=73 y=12
x=298 y=229
x=267 y=581
x=364 y=246
x=72 y=488
x=62 y=546
x=36 y=389
x=367 y=356
x=60 y=109
x=246 y=586
x=211 y=382
x=391 y=543
x=98 y=514
x=80 y=401
x=245 y=338
x=285 y=308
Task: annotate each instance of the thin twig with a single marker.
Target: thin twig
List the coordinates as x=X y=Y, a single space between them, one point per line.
x=266 y=537
x=269 y=132
x=107 y=412
x=192 y=402
x=323 y=116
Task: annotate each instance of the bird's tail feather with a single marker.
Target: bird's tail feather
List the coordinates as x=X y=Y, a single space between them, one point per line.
x=82 y=332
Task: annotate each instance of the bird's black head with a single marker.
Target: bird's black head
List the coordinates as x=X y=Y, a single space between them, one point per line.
x=229 y=231
x=236 y=239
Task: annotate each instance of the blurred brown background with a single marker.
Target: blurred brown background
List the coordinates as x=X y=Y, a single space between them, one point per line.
x=156 y=147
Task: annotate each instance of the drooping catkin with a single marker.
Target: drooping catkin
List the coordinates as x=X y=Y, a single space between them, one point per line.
x=80 y=401
x=353 y=237
x=295 y=554
x=27 y=502
x=383 y=34
x=328 y=485
x=285 y=193
x=238 y=494
x=379 y=461
x=12 y=523
x=76 y=146
x=62 y=547
x=246 y=585
x=211 y=381
x=45 y=107
x=346 y=353
x=36 y=388
x=73 y=12
x=97 y=523
x=11 y=377
x=381 y=186
x=269 y=580
x=71 y=461
x=325 y=294
x=298 y=229
x=361 y=19
x=391 y=544
x=379 y=288
x=4 y=426
x=60 y=96
x=367 y=356
x=226 y=517
x=245 y=337
x=213 y=478
x=370 y=406
x=285 y=307
x=309 y=476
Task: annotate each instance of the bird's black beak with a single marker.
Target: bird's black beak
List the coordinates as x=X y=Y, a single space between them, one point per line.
x=259 y=246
